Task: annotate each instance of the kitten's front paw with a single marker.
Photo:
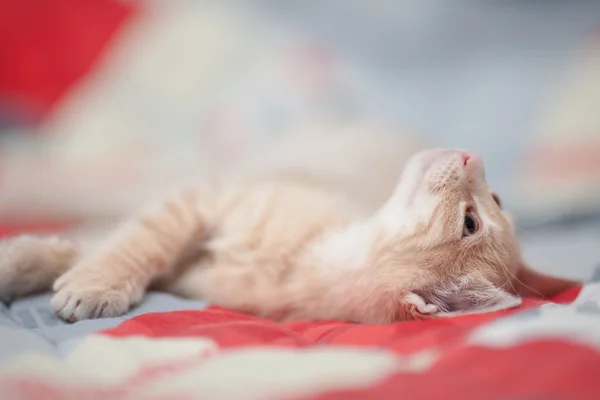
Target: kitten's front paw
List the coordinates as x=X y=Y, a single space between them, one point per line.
x=84 y=293
x=418 y=307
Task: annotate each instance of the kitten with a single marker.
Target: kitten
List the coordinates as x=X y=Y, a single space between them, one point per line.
x=291 y=249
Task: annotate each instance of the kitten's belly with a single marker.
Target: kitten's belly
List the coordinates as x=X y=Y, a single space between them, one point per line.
x=257 y=247
x=279 y=216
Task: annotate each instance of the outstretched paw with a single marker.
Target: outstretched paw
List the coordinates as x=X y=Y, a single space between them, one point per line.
x=85 y=293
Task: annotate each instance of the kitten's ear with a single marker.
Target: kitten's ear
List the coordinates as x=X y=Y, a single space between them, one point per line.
x=535 y=284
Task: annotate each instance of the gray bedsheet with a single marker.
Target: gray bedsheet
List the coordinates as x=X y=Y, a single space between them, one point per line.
x=29 y=325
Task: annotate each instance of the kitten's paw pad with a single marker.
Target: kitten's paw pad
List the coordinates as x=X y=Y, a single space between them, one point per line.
x=80 y=295
x=418 y=305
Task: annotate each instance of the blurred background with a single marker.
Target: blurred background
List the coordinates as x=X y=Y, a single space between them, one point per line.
x=105 y=101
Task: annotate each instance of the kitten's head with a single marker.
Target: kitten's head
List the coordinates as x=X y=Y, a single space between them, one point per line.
x=446 y=230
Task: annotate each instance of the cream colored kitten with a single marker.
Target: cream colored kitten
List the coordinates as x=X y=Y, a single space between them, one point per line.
x=288 y=248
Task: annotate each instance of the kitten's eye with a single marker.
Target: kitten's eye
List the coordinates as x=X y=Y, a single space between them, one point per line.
x=471 y=225
x=497 y=199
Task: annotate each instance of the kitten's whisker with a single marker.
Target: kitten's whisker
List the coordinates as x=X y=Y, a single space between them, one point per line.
x=506 y=270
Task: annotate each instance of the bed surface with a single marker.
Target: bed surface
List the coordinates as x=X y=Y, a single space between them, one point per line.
x=174 y=348
x=199 y=353
x=29 y=324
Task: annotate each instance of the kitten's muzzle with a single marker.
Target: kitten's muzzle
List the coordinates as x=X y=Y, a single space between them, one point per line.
x=438 y=168
x=436 y=158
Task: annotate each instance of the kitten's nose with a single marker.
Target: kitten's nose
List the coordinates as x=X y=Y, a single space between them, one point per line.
x=469 y=157
x=466 y=157
x=473 y=165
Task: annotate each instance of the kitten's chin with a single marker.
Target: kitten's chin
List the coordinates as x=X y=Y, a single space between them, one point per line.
x=470 y=300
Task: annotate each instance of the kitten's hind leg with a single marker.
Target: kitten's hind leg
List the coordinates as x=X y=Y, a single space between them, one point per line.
x=107 y=282
x=30 y=264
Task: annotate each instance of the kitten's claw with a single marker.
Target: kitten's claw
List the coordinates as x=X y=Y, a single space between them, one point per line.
x=82 y=293
x=418 y=305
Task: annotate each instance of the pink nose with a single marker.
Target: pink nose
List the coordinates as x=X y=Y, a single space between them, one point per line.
x=468 y=156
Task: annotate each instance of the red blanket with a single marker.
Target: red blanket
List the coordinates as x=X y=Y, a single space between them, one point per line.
x=539 y=350
x=543 y=368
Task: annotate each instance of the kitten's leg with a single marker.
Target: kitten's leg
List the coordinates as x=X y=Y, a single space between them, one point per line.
x=109 y=281
x=30 y=264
